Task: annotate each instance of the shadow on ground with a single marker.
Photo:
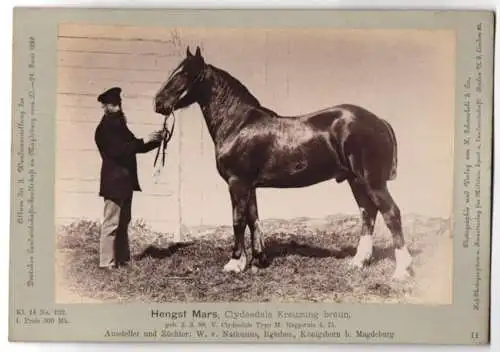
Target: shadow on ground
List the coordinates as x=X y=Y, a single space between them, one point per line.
x=307 y=264
x=283 y=248
x=162 y=253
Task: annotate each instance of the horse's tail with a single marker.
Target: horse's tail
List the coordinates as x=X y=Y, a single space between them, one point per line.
x=394 y=172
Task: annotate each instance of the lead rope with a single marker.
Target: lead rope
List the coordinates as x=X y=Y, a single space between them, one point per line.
x=168 y=136
x=163 y=145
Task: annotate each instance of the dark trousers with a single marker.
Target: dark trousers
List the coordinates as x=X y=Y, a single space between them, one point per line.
x=114 y=243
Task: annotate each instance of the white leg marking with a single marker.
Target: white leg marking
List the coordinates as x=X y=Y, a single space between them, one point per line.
x=236 y=265
x=363 y=252
x=403 y=262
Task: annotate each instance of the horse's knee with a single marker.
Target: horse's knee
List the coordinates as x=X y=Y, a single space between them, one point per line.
x=239 y=218
x=259 y=257
x=383 y=200
x=257 y=234
x=393 y=214
x=368 y=215
x=393 y=220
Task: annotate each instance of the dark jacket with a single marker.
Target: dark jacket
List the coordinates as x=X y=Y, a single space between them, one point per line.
x=118 y=148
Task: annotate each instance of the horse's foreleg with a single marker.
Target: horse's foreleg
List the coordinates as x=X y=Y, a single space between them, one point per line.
x=392 y=217
x=240 y=193
x=259 y=258
x=368 y=211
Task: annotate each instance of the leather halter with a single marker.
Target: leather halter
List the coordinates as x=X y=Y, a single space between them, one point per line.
x=169 y=133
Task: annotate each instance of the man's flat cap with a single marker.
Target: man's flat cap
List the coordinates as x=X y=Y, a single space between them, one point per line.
x=111 y=96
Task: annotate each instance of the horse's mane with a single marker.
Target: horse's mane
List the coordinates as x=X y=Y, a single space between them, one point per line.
x=239 y=89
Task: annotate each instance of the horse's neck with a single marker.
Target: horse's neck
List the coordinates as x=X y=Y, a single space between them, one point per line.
x=219 y=103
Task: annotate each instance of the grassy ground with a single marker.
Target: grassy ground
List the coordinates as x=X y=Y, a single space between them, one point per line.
x=309 y=263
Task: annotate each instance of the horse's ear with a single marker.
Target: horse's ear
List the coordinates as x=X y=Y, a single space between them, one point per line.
x=198 y=56
x=188 y=52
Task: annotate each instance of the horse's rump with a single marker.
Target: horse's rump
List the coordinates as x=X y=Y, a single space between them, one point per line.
x=367 y=144
x=394 y=170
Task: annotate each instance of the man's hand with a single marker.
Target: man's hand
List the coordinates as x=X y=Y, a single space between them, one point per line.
x=158 y=136
x=164 y=133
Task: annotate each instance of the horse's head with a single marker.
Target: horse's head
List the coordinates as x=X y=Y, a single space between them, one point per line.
x=181 y=84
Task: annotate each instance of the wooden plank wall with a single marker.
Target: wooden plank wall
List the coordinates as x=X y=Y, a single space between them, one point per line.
x=92 y=59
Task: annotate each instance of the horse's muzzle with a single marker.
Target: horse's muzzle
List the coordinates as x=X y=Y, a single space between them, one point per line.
x=162 y=108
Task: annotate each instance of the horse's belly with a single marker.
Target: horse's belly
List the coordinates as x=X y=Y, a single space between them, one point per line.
x=293 y=181
x=299 y=170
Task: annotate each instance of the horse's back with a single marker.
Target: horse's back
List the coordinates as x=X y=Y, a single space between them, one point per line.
x=366 y=143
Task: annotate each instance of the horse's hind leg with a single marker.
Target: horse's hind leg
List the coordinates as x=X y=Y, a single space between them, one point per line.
x=240 y=193
x=259 y=258
x=368 y=211
x=392 y=217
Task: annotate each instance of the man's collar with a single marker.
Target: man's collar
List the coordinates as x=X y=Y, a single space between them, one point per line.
x=116 y=115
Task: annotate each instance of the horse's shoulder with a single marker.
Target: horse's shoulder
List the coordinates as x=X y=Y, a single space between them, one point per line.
x=256 y=116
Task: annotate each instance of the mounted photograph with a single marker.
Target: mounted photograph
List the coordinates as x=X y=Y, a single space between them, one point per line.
x=251 y=176
x=277 y=165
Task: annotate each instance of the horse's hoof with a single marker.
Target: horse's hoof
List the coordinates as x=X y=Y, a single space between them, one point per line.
x=261 y=261
x=403 y=264
x=401 y=275
x=235 y=265
x=357 y=263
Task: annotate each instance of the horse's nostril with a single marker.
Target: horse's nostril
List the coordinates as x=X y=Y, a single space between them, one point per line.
x=158 y=106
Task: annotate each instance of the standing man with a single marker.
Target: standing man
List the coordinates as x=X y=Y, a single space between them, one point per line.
x=118 y=148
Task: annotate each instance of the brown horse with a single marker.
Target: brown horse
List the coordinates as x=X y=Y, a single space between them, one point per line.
x=256 y=147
